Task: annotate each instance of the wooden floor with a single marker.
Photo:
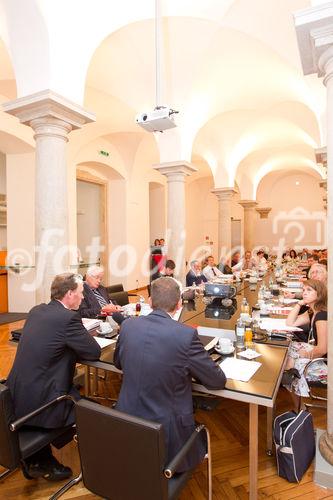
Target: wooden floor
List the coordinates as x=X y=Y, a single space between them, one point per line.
x=228 y=425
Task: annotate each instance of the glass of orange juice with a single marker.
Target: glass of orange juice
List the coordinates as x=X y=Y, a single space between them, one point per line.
x=248 y=336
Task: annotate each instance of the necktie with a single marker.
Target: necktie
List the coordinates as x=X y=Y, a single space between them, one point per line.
x=101 y=300
x=214 y=271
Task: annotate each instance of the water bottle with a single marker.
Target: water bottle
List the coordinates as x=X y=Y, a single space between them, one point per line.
x=240 y=332
x=245 y=308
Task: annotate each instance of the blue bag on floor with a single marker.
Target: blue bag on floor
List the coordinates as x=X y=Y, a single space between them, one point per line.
x=294 y=444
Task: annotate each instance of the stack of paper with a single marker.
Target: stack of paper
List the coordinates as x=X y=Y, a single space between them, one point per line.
x=278 y=309
x=90 y=323
x=277 y=325
x=239 y=369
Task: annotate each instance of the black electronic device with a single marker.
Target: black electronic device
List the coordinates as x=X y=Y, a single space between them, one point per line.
x=220 y=290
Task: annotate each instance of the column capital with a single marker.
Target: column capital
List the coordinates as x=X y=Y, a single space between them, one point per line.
x=47 y=105
x=263 y=212
x=314 y=30
x=323 y=184
x=321 y=155
x=175 y=168
x=248 y=204
x=225 y=193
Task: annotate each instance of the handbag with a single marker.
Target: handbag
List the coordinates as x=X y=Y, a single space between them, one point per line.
x=294 y=444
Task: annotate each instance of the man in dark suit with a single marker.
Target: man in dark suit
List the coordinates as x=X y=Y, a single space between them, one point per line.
x=53 y=339
x=95 y=297
x=195 y=276
x=167 y=270
x=159 y=357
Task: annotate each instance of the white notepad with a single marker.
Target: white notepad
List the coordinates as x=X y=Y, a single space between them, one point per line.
x=239 y=369
x=90 y=323
x=104 y=342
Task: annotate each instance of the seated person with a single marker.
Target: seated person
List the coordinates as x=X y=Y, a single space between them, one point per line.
x=312 y=258
x=293 y=254
x=300 y=353
x=160 y=388
x=195 y=275
x=52 y=341
x=167 y=270
x=96 y=301
x=261 y=262
x=235 y=259
x=247 y=262
x=211 y=271
x=224 y=266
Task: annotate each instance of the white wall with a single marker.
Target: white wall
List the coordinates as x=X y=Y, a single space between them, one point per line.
x=282 y=194
x=157 y=215
x=88 y=215
x=3 y=190
x=21 y=228
x=202 y=216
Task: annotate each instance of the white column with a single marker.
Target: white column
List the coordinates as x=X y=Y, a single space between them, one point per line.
x=176 y=172
x=325 y=64
x=51 y=117
x=224 y=196
x=249 y=222
x=314 y=28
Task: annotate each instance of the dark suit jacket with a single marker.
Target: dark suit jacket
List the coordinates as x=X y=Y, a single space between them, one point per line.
x=90 y=307
x=159 y=357
x=53 y=339
x=192 y=278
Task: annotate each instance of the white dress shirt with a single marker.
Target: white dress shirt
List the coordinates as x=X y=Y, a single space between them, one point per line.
x=211 y=272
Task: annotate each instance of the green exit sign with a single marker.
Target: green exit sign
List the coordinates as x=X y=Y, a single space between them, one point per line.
x=103 y=153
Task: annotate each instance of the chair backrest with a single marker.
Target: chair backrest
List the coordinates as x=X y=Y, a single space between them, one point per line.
x=115 y=288
x=9 y=444
x=122 y=457
x=121 y=298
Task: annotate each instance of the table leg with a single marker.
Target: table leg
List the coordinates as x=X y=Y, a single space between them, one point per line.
x=269 y=431
x=95 y=381
x=253 y=442
x=87 y=381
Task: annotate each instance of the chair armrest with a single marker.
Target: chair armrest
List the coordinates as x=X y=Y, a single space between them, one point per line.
x=306 y=369
x=170 y=469
x=20 y=421
x=3 y=380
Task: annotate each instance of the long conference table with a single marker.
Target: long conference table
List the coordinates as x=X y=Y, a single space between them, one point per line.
x=260 y=390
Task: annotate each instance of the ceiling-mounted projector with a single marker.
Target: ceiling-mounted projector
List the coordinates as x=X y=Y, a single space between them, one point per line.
x=158 y=120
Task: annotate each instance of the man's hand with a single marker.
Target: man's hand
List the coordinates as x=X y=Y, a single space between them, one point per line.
x=110 y=308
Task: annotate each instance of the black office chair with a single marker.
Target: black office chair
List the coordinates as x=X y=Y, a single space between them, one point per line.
x=18 y=442
x=117 y=294
x=123 y=457
x=115 y=288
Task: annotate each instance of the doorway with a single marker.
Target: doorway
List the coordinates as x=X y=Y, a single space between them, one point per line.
x=91 y=221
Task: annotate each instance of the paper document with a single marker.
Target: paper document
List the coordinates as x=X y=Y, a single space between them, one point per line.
x=290 y=301
x=90 y=323
x=277 y=324
x=208 y=342
x=249 y=354
x=104 y=342
x=279 y=310
x=293 y=284
x=239 y=369
x=291 y=290
x=217 y=332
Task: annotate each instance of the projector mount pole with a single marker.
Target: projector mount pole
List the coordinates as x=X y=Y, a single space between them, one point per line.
x=158 y=45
